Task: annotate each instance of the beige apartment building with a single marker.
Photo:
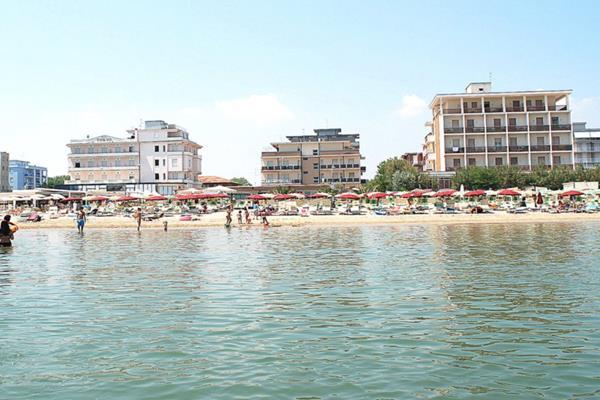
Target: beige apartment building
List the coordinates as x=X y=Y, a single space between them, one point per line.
x=156 y=157
x=327 y=157
x=479 y=127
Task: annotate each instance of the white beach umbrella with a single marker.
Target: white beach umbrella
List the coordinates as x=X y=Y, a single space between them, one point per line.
x=491 y=193
x=219 y=189
x=189 y=191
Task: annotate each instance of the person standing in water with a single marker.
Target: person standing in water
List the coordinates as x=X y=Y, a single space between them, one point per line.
x=247 y=215
x=7 y=230
x=228 y=217
x=81 y=220
x=138 y=218
x=239 y=217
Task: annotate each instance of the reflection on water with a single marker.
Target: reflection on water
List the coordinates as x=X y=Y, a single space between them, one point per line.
x=500 y=311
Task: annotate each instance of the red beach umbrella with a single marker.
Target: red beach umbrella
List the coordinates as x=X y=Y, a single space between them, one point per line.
x=257 y=197
x=98 y=198
x=216 y=196
x=570 y=193
x=186 y=197
x=282 y=196
x=377 y=195
x=475 y=193
x=508 y=192
x=70 y=199
x=156 y=198
x=445 y=193
x=126 y=198
x=348 y=196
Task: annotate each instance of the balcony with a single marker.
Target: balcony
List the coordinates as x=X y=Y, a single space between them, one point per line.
x=472 y=110
x=493 y=109
x=280 y=153
x=562 y=147
x=496 y=128
x=282 y=182
x=455 y=150
x=454 y=130
x=536 y=108
x=561 y=127
x=540 y=147
x=517 y=128
x=475 y=129
x=475 y=149
x=279 y=167
x=517 y=149
x=340 y=152
x=538 y=128
x=496 y=149
x=557 y=108
x=452 y=111
x=514 y=109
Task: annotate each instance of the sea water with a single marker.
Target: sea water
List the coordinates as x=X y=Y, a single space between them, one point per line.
x=378 y=312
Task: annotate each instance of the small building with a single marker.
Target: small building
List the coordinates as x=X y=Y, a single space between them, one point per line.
x=212 y=181
x=587 y=145
x=414 y=159
x=4 y=172
x=27 y=176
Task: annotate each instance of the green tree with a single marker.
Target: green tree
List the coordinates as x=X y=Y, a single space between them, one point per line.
x=241 y=181
x=397 y=174
x=54 y=181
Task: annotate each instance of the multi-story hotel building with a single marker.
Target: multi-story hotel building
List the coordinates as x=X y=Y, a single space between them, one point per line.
x=484 y=128
x=587 y=145
x=26 y=176
x=4 y=172
x=327 y=157
x=158 y=157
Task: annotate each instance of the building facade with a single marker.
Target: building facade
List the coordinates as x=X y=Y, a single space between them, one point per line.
x=526 y=129
x=414 y=159
x=26 y=176
x=4 y=172
x=158 y=157
x=429 y=162
x=587 y=145
x=327 y=157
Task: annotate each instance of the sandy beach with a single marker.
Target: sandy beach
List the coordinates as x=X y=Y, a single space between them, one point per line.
x=218 y=220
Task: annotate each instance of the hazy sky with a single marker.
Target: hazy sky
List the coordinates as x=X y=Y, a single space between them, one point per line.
x=240 y=75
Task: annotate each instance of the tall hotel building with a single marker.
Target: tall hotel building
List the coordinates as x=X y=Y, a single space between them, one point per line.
x=327 y=157
x=159 y=157
x=526 y=129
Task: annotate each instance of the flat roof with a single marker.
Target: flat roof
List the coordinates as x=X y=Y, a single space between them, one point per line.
x=507 y=93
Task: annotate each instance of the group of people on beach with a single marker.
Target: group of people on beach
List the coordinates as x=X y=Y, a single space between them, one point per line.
x=242 y=217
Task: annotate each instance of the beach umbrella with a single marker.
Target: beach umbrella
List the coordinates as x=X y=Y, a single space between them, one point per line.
x=319 y=195
x=570 y=193
x=348 y=196
x=156 y=198
x=189 y=191
x=508 y=192
x=257 y=197
x=377 y=195
x=216 y=196
x=298 y=195
x=71 y=199
x=126 y=198
x=445 y=193
x=491 y=192
x=282 y=196
x=407 y=195
x=219 y=189
x=187 y=196
x=475 y=193
x=96 y=198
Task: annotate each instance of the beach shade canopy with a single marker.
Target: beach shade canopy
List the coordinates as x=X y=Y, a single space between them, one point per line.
x=282 y=196
x=508 y=192
x=298 y=195
x=95 y=198
x=219 y=189
x=570 y=193
x=189 y=196
x=475 y=193
x=445 y=193
x=216 y=196
x=377 y=195
x=156 y=198
x=319 y=196
x=257 y=197
x=413 y=194
x=71 y=199
x=348 y=196
x=126 y=198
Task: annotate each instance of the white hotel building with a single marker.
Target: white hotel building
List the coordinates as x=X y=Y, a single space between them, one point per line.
x=158 y=157
x=527 y=129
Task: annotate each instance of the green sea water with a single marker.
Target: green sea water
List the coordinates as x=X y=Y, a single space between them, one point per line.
x=380 y=312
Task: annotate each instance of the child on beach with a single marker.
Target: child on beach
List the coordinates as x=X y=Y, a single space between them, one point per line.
x=239 y=217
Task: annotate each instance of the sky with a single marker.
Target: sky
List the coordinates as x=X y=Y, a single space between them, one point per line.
x=239 y=75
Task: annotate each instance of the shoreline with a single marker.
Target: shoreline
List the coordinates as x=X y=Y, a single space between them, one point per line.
x=218 y=220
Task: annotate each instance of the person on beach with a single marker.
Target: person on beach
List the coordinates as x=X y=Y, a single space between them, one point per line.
x=138 y=217
x=265 y=222
x=239 y=217
x=228 y=217
x=81 y=220
x=7 y=230
x=247 y=215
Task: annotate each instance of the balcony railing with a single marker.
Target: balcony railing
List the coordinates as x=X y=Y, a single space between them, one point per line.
x=452 y=111
x=496 y=149
x=493 y=109
x=281 y=182
x=455 y=149
x=518 y=148
x=514 y=109
x=536 y=108
x=562 y=147
x=473 y=110
x=517 y=128
x=496 y=129
x=561 y=127
x=475 y=149
x=475 y=129
x=279 y=167
x=454 y=130
x=540 y=147
x=557 y=108
x=538 y=128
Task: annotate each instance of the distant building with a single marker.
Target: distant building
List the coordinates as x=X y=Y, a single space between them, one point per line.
x=414 y=159
x=26 y=176
x=587 y=145
x=479 y=127
x=211 y=181
x=159 y=157
x=327 y=157
x=4 y=172
x=429 y=158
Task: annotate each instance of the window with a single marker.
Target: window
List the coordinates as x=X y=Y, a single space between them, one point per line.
x=512 y=122
x=473 y=104
x=131 y=162
x=164 y=162
x=512 y=141
x=305 y=172
x=516 y=104
x=315 y=179
x=164 y=148
x=540 y=141
x=164 y=176
x=156 y=176
x=77 y=164
x=539 y=121
x=104 y=163
x=90 y=164
x=350 y=174
x=555 y=121
x=455 y=142
x=315 y=152
x=528 y=102
x=497 y=142
x=498 y=161
x=470 y=142
x=131 y=149
x=555 y=140
x=541 y=160
x=117 y=162
x=556 y=160
x=498 y=122
x=514 y=161
x=156 y=162
x=472 y=162
x=456 y=162
x=455 y=123
x=470 y=123
x=156 y=149
x=316 y=165
x=539 y=103
x=486 y=104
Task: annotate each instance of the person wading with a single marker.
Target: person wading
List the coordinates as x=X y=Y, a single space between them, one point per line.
x=138 y=218
x=7 y=230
